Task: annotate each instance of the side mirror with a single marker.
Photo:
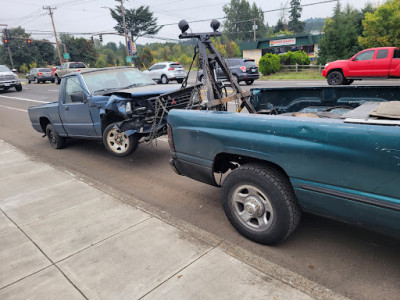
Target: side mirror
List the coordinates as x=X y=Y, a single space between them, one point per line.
x=78 y=97
x=353 y=59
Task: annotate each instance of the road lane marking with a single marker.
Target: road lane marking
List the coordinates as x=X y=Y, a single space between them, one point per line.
x=53 y=90
x=25 y=99
x=14 y=108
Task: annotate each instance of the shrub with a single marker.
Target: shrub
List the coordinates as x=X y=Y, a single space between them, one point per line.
x=269 y=63
x=297 y=57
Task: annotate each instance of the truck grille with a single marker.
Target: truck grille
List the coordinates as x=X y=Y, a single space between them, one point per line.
x=180 y=99
x=7 y=77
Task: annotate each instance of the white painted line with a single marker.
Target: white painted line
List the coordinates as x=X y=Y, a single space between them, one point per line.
x=53 y=90
x=14 y=108
x=25 y=99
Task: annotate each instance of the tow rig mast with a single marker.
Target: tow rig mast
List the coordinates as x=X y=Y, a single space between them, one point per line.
x=209 y=62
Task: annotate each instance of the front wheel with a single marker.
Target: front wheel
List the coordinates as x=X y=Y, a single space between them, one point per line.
x=117 y=142
x=260 y=203
x=58 y=80
x=335 y=78
x=18 y=88
x=56 y=141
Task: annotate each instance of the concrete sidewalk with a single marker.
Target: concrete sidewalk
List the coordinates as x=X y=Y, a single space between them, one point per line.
x=62 y=238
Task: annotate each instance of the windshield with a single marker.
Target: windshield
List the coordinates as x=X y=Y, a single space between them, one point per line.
x=115 y=79
x=4 y=69
x=44 y=70
x=76 y=65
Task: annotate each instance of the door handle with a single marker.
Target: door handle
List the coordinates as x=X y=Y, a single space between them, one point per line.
x=66 y=108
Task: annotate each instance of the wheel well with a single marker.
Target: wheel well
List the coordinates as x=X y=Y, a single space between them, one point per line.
x=43 y=123
x=110 y=118
x=333 y=70
x=224 y=162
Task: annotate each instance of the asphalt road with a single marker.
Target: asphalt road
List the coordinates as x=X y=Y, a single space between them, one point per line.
x=354 y=262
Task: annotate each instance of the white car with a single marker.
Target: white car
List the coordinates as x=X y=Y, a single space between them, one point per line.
x=8 y=79
x=163 y=72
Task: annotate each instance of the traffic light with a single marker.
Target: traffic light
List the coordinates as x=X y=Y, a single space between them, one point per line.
x=101 y=38
x=29 y=42
x=5 y=42
x=7 y=33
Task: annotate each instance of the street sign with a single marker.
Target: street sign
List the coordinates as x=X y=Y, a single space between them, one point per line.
x=66 y=56
x=133 y=50
x=128 y=59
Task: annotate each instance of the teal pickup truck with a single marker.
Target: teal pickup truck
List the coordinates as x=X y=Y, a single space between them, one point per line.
x=331 y=151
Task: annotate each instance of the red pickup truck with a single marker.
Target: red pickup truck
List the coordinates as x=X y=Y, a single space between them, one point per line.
x=376 y=63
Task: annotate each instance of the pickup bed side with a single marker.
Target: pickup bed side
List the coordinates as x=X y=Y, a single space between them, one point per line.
x=302 y=150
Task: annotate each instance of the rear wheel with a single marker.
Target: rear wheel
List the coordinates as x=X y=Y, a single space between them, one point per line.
x=18 y=88
x=179 y=80
x=37 y=80
x=236 y=78
x=335 y=78
x=117 y=142
x=29 y=81
x=249 y=82
x=260 y=203
x=56 y=141
x=348 y=81
x=164 y=79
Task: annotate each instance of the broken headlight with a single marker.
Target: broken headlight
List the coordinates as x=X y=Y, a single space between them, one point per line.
x=128 y=108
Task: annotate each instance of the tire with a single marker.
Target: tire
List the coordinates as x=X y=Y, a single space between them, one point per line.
x=56 y=141
x=260 y=203
x=201 y=79
x=53 y=81
x=179 y=80
x=249 y=82
x=29 y=81
x=164 y=79
x=348 y=81
x=118 y=143
x=236 y=78
x=58 y=80
x=335 y=78
x=18 y=88
x=37 y=80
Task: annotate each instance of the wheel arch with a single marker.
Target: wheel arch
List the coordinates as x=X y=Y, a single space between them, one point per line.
x=44 y=121
x=109 y=118
x=338 y=70
x=223 y=162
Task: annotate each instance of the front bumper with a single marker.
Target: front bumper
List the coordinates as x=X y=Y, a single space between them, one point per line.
x=9 y=84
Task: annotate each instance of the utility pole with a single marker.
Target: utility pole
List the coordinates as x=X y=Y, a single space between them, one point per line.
x=124 y=25
x=254 y=28
x=55 y=33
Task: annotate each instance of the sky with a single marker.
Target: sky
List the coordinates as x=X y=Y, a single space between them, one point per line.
x=83 y=18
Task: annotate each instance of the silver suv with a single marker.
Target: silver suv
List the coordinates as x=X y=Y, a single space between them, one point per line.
x=8 y=79
x=163 y=72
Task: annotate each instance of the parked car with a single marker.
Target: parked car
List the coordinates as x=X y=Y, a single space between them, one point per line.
x=242 y=69
x=166 y=71
x=377 y=63
x=8 y=79
x=40 y=75
x=69 y=67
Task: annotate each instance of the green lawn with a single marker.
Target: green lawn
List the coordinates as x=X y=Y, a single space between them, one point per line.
x=294 y=75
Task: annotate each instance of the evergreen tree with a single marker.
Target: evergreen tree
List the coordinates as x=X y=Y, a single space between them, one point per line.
x=340 y=40
x=279 y=27
x=240 y=18
x=139 y=22
x=295 y=24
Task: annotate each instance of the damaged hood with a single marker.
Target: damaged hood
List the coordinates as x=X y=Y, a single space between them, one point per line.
x=148 y=90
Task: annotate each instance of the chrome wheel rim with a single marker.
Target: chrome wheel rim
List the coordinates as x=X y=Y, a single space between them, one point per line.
x=117 y=141
x=252 y=207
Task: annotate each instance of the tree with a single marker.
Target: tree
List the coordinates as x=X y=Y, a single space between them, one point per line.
x=139 y=22
x=340 y=40
x=280 y=26
x=240 y=20
x=79 y=49
x=381 y=29
x=146 y=57
x=295 y=24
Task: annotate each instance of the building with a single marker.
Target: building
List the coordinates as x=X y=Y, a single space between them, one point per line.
x=282 y=44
